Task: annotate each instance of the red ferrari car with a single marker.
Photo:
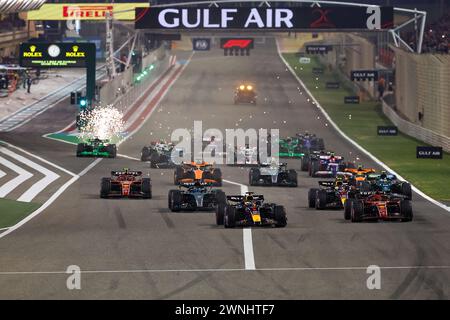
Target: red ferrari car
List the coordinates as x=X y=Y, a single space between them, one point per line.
x=126 y=184
x=380 y=206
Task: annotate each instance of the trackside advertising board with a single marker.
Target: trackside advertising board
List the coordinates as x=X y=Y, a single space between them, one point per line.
x=57 y=55
x=264 y=18
x=85 y=11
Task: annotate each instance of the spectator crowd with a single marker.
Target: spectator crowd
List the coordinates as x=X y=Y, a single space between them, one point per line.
x=436 y=38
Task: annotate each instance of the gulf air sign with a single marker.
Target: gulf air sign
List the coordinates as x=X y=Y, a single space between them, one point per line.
x=263 y=18
x=85 y=11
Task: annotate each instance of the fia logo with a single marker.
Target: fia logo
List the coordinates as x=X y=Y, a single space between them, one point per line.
x=201 y=44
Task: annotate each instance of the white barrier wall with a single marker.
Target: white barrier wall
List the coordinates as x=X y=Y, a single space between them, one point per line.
x=416 y=131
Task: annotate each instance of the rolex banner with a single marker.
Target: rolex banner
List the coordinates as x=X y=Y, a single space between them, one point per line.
x=57 y=55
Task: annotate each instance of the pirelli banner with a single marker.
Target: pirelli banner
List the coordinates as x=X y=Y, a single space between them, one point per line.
x=85 y=11
x=57 y=55
x=263 y=18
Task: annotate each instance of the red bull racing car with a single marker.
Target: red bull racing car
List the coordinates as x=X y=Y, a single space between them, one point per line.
x=250 y=210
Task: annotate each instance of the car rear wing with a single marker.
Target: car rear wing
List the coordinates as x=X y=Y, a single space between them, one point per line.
x=241 y=198
x=130 y=173
x=192 y=182
x=326 y=183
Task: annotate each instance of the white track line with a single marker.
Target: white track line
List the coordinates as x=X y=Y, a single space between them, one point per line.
x=23 y=176
x=128 y=157
x=367 y=153
x=75 y=177
x=13 y=273
x=249 y=256
x=50 y=200
x=39 y=158
x=38 y=187
x=2 y=174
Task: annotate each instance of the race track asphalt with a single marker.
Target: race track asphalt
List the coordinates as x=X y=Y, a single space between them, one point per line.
x=139 y=249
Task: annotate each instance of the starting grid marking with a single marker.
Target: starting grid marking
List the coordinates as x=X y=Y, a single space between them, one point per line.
x=23 y=169
x=12 y=273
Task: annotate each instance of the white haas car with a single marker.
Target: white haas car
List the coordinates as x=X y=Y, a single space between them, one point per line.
x=246 y=156
x=273 y=174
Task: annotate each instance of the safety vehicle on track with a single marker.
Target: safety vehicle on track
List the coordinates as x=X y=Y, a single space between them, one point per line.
x=245 y=93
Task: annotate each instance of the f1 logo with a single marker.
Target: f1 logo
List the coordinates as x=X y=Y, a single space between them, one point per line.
x=201 y=44
x=237 y=43
x=323 y=21
x=236 y=46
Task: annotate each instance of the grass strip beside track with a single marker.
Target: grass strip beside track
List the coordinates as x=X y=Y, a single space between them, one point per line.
x=12 y=212
x=360 y=121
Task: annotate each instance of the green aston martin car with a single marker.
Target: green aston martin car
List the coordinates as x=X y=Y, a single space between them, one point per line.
x=96 y=148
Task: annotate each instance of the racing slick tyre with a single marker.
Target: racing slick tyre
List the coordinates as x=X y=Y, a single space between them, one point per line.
x=348 y=209
x=292 y=178
x=280 y=216
x=220 y=211
x=112 y=150
x=363 y=186
x=178 y=174
x=305 y=163
x=217 y=176
x=105 y=188
x=154 y=159
x=253 y=176
x=357 y=211
x=321 y=199
x=406 y=190
x=312 y=194
x=229 y=218
x=80 y=148
x=175 y=200
x=146 y=188
x=406 y=210
x=145 y=153
x=313 y=168
x=221 y=198
x=320 y=144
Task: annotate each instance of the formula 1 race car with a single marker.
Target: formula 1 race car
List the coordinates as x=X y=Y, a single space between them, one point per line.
x=197 y=195
x=329 y=195
x=96 y=148
x=126 y=183
x=290 y=148
x=160 y=154
x=379 y=206
x=335 y=194
x=310 y=142
x=245 y=156
x=326 y=164
x=250 y=210
x=388 y=183
x=245 y=93
x=359 y=174
x=273 y=174
x=189 y=172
